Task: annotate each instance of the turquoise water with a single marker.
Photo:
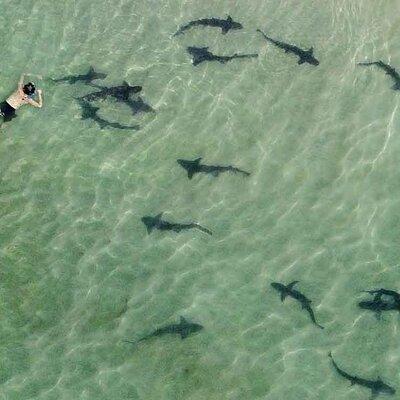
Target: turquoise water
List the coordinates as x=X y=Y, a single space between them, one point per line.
x=78 y=271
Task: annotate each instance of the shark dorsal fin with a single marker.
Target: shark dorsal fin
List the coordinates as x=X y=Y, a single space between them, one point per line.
x=197 y=160
x=125 y=83
x=229 y=18
x=396 y=86
x=158 y=216
x=311 y=50
x=91 y=69
x=290 y=286
x=182 y=320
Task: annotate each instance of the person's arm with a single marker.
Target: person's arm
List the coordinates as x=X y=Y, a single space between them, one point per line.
x=21 y=82
x=37 y=103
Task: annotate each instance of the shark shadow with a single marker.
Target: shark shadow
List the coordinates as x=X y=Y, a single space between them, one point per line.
x=90 y=112
x=87 y=78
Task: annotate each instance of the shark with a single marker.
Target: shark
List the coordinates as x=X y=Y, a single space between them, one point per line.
x=121 y=93
x=194 y=167
x=379 y=304
x=389 y=70
x=384 y=292
x=90 y=112
x=225 y=24
x=158 y=223
x=303 y=300
x=201 y=54
x=377 y=387
x=87 y=78
x=183 y=329
x=305 y=56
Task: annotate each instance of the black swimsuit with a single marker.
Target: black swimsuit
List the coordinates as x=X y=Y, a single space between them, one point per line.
x=7 y=112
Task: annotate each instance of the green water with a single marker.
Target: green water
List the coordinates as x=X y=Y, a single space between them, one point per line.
x=78 y=272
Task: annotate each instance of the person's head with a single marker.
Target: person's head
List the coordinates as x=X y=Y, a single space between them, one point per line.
x=29 y=89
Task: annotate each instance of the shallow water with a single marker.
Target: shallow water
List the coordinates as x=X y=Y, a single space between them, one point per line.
x=78 y=271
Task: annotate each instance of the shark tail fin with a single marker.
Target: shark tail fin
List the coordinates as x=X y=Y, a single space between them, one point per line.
x=262 y=33
x=366 y=63
x=131 y=341
x=184 y=28
x=238 y=170
x=159 y=216
x=253 y=55
x=201 y=228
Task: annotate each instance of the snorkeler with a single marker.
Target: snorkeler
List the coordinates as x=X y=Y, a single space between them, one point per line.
x=23 y=95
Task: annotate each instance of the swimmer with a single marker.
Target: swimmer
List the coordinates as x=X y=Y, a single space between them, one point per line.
x=23 y=95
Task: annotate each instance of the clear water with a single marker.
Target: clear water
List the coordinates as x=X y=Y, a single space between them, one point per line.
x=79 y=273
